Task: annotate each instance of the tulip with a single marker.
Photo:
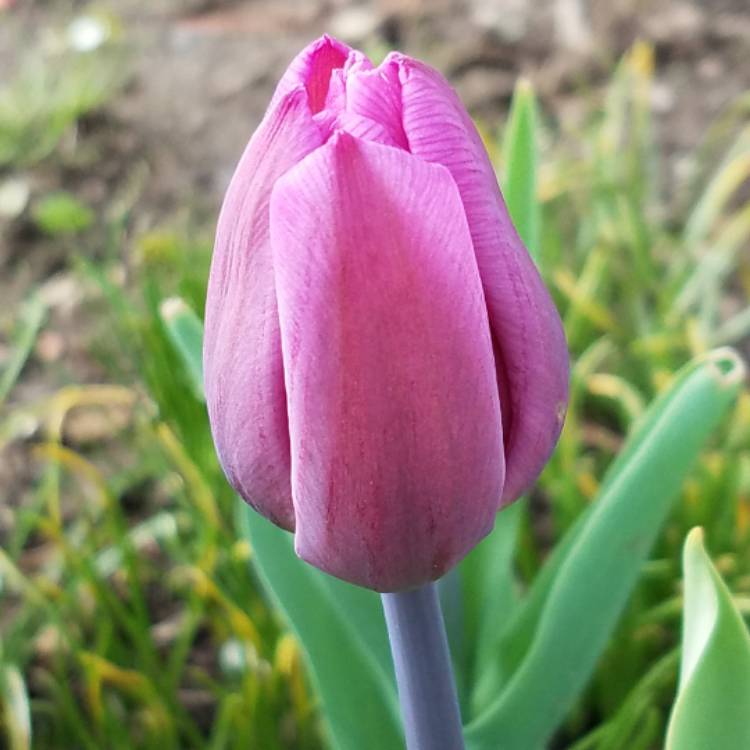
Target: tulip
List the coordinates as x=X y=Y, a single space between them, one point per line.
x=384 y=367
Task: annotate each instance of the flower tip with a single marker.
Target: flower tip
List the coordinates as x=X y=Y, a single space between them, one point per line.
x=314 y=66
x=397 y=57
x=326 y=41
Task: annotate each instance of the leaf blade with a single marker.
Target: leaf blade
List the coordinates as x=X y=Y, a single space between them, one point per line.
x=358 y=694
x=612 y=540
x=185 y=331
x=713 y=698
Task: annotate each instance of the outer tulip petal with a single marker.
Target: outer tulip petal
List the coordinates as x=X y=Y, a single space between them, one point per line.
x=242 y=351
x=530 y=344
x=393 y=406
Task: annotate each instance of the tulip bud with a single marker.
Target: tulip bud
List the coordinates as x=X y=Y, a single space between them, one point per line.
x=384 y=367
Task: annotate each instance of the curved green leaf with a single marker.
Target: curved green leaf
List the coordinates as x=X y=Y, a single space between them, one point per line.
x=342 y=631
x=712 y=709
x=185 y=331
x=490 y=594
x=570 y=622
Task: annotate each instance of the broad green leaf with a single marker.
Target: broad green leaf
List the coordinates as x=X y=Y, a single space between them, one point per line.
x=514 y=641
x=577 y=604
x=519 y=179
x=341 y=627
x=185 y=331
x=342 y=630
x=489 y=591
x=712 y=709
x=504 y=656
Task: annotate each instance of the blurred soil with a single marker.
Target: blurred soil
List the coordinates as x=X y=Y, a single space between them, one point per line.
x=203 y=71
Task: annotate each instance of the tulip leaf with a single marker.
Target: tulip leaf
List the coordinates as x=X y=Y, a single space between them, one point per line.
x=341 y=627
x=185 y=331
x=574 y=614
x=489 y=591
x=519 y=179
x=342 y=630
x=712 y=709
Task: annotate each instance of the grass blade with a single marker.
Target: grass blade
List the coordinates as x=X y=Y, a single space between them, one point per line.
x=731 y=174
x=520 y=167
x=14 y=702
x=32 y=316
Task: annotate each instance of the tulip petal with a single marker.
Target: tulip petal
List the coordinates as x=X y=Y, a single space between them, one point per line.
x=375 y=95
x=312 y=69
x=364 y=128
x=242 y=351
x=530 y=343
x=394 y=414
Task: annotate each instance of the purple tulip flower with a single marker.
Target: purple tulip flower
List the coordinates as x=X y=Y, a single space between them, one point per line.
x=384 y=367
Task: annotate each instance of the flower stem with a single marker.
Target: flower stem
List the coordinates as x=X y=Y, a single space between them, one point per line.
x=426 y=687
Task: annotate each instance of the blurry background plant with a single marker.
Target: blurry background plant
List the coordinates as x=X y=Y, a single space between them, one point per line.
x=129 y=615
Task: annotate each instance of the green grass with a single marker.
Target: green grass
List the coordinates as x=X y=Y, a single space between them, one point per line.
x=53 y=89
x=129 y=612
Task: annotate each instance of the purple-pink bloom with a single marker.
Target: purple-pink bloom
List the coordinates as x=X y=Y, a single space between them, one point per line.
x=384 y=367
